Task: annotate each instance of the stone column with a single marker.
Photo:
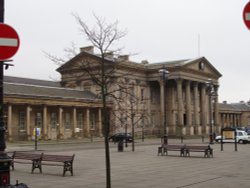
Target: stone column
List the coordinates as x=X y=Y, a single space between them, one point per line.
x=148 y=101
x=223 y=120
x=203 y=108
x=74 y=134
x=9 y=123
x=87 y=121
x=196 y=108
x=188 y=109
x=60 y=127
x=100 y=122
x=28 y=128
x=216 y=110
x=179 y=107
x=45 y=123
x=162 y=101
x=239 y=119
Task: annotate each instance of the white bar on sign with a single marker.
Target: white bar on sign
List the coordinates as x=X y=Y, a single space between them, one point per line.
x=8 y=42
x=247 y=16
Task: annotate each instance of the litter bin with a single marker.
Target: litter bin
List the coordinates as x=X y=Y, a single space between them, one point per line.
x=164 y=139
x=120 y=145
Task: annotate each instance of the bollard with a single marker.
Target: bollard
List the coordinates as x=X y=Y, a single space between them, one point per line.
x=181 y=139
x=120 y=146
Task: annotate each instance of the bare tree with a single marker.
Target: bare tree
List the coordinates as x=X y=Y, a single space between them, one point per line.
x=103 y=37
x=102 y=73
x=133 y=109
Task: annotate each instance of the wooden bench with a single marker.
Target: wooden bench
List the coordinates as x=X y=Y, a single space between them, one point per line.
x=27 y=158
x=171 y=147
x=59 y=160
x=208 y=151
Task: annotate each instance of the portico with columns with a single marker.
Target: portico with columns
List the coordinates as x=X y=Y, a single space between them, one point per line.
x=187 y=103
x=56 y=116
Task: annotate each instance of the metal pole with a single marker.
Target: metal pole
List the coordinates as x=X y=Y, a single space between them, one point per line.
x=2 y=129
x=4 y=159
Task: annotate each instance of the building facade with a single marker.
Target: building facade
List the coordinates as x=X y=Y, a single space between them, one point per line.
x=182 y=98
x=55 y=112
x=178 y=98
x=234 y=114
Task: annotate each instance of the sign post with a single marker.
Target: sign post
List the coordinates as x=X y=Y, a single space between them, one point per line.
x=9 y=44
x=246 y=15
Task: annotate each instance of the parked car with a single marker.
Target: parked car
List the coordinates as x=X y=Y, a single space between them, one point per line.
x=126 y=137
x=241 y=137
x=247 y=129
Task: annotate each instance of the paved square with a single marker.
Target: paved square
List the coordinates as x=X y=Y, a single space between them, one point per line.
x=140 y=169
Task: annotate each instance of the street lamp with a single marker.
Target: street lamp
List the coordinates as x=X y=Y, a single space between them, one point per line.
x=164 y=74
x=211 y=93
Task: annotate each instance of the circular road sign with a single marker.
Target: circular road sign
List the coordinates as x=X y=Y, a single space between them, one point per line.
x=9 y=41
x=246 y=15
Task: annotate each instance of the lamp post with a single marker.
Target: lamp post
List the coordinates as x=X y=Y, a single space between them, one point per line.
x=164 y=74
x=210 y=89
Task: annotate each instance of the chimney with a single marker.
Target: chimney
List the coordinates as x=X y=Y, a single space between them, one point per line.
x=88 y=49
x=123 y=57
x=144 y=62
x=109 y=55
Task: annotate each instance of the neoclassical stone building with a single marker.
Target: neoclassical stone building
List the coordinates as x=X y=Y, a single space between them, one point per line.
x=57 y=112
x=234 y=114
x=184 y=92
x=141 y=93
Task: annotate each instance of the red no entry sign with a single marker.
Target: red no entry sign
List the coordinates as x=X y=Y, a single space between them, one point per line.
x=9 y=41
x=246 y=15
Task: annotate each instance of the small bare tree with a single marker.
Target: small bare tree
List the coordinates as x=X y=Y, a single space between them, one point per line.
x=102 y=37
x=130 y=107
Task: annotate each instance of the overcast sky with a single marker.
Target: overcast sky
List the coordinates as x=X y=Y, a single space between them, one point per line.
x=158 y=30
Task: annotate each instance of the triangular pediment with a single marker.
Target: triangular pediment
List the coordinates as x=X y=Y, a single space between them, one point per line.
x=201 y=65
x=74 y=62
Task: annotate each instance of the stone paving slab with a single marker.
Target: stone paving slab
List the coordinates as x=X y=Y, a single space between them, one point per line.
x=142 y=168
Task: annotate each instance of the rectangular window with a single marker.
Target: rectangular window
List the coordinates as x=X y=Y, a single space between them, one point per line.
x=142 y=94
x=80 y=120
x=22 y=120
x=185 y=119
x=176 y=119
x=38 y=120
x=92 y=121
x=67 y=121
x=53 y=120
